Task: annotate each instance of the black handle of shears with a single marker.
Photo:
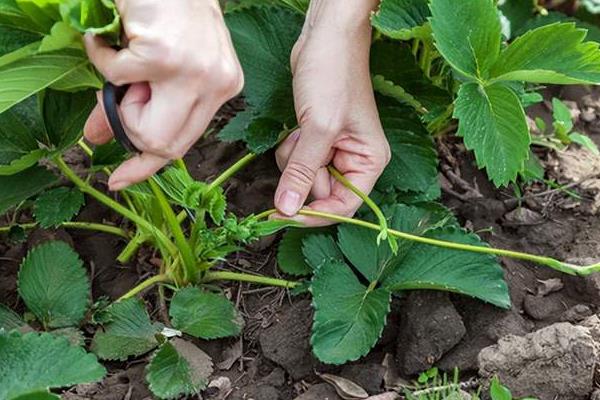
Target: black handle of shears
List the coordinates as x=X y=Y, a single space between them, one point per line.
x=112 y=96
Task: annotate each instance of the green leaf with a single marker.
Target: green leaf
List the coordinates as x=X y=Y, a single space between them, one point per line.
x=9 y=320
x=290 y=256
x=472 y=274
x=413 y=166
x=54 y=285
x=29 y=75
x=554 y=53
x=263 y=38
x=593 y=31
x=203 y=314
x=492 y=123
x=99 y=17
x=499 y=391
x=12 y=15
x=468 y=37
x=129 y=332
x=585 y=142
x=36 y=362
x=21 y=131
x=385 y=58
x=38 y=396
x=262 y=134
x=178 y=368
x=65 y=115
x=517 y=12
x=318 y=249
x=237 y=127
x=12 y=39
x=108 y=155
x=56 y=206
x=61 y=35
x=73 y=335
x=562 y=114
x=402 y=19
x=533 y=169
x=44 y=13
x=349 y=318
x=25 y=184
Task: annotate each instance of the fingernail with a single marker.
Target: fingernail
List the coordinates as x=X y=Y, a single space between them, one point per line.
x=118 y=185
x=289 y=203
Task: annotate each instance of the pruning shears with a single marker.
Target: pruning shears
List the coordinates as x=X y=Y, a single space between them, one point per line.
x=112 y=96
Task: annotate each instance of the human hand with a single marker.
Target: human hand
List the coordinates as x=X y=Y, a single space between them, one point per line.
x=338 y=118
x=182 y=68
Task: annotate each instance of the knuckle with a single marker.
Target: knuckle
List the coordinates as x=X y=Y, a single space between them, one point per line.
x=157 y=145
x=300 y=172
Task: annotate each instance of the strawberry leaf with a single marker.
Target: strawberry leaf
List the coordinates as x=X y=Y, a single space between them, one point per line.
x=9 y=320
x=402 y=19
x=467 y=36
x=203 y=314
x=554 y=53
x=56 y=206
x=23 y=185
x=349 y=318
x=128 y=332
x=36 y=362
x=492 y=123
x=178 y=368
x=54 y=285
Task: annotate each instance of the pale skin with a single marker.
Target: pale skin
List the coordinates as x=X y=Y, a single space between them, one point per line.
x=182 y=76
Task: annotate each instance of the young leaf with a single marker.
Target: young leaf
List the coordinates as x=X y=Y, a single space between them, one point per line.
x=402 y=19
x=9 y=320
x=492 y=123
x=203 y=314
x=499 y=391
x=349 y=318
x=25 y=184
x=56 y=206
x=467 y=36
x=32 y=74
x=36 y=362
x=178 y=368
x=562 y=114
x=585 y=142
x=554 y=53
x=472 y=274
x=54 y=285
x=129 y=332
x=414 y=162
x=99 y=17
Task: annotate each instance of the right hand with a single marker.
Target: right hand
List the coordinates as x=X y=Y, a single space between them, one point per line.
x=182 y=68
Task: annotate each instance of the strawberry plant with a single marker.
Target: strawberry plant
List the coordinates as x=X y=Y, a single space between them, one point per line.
x=427 y=70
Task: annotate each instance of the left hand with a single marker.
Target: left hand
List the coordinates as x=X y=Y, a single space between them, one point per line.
x=338 y=118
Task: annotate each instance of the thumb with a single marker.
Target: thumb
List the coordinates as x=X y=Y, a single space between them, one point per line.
x=298 y=177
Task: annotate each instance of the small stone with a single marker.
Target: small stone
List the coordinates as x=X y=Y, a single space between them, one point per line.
x=322 y=391
x=544 y=308
x=523 y=216
x=430 y=326
x=555 y=362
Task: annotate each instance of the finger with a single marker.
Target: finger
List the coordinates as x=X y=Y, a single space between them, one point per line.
x=156 y=124
x=282 y=155
x=118 y=66
x=96 y=128
x=322 y=186
x=135 y=170
x=309 y=155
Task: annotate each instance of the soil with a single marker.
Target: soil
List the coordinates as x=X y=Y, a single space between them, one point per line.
x=272 y=360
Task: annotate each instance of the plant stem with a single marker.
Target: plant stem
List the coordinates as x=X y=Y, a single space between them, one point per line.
x=553 y=263
x=371 y=204
x=144 y=285
x=229 y=172
x=189 y=260
x=132 y=247
x=88 y=226
x=240 y=277
x=107 y=201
